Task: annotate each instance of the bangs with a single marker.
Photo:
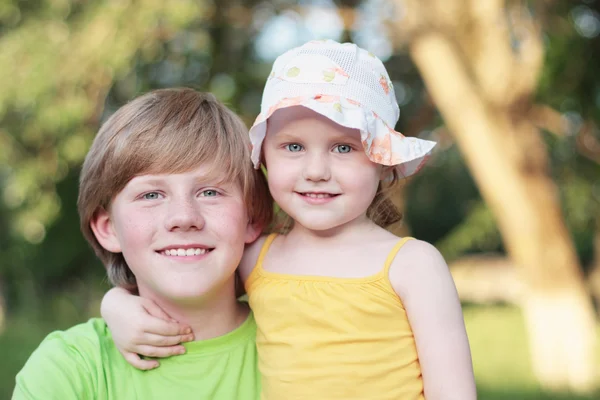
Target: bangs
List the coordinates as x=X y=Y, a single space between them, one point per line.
x=182 y=151
x=180 y=141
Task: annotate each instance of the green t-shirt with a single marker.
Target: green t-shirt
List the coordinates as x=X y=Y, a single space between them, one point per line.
x=83 y=363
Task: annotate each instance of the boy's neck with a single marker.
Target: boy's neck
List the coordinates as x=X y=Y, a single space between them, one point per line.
x=209 y=317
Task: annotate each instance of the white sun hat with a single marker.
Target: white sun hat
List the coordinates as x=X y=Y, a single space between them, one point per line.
x=351 y=87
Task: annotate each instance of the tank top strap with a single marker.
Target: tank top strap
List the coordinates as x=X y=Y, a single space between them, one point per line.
x=264 y=250
x=258 y=266
x=392 y=255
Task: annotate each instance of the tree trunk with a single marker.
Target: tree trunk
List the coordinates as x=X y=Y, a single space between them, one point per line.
x=507 y=158
x=594 y=275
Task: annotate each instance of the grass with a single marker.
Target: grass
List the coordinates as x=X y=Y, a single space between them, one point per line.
x=497 y=336
x=501 y=357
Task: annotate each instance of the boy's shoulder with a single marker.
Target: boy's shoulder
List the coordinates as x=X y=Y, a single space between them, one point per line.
x=66 y=363
x=86 y=338
x=83 y=363
x=83 y=342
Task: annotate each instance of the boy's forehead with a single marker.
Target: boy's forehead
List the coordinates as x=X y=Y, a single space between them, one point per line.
x=214 y=172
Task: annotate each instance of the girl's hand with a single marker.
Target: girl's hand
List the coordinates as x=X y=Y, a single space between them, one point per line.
x=140 y=327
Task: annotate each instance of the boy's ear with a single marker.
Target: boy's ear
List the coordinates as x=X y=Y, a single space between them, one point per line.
x=104 y=231
x=253 y=231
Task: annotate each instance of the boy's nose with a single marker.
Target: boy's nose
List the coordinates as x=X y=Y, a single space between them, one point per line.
x=184 y=215
x=317 y=168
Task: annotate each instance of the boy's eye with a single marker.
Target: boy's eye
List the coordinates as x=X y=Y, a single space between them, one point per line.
x=151 y=196
x=342 y=148
x=293 y=147
x=209 y=193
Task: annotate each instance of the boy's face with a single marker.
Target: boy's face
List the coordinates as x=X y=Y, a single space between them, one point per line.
x=182 y=235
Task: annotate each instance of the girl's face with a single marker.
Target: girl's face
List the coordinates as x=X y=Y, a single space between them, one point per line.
x=318 y=172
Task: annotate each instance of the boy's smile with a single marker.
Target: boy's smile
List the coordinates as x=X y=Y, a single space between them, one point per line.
x=181 y=234
x=186 y=251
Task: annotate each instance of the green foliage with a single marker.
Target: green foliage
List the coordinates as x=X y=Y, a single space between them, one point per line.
x=58 y=66
x=60 y=60
x=500 y=353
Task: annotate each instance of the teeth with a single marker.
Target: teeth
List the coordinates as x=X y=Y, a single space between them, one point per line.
x=185 y=252
x=317 y=195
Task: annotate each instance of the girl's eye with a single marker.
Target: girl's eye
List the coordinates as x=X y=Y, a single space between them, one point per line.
x=209 y=193
x=151 y=196
x=293 y=147
x=342 y=148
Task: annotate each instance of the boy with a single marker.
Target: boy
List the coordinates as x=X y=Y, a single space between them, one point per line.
x=168 y=198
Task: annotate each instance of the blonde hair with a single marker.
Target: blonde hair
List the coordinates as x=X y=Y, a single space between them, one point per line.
x=382 y=210
x=166 y=131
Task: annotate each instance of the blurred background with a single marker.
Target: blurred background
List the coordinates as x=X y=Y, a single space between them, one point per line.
x=509 y=89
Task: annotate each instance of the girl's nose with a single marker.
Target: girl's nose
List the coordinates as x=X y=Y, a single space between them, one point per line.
x=317 y=168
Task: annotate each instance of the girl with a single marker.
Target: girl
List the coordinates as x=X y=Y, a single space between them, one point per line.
x=344 y=308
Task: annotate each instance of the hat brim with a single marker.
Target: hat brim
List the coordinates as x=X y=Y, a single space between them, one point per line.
x=382 y=144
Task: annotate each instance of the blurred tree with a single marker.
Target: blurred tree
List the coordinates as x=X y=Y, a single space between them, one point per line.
x=59 y=60
x=481 y=62
x=67 y=65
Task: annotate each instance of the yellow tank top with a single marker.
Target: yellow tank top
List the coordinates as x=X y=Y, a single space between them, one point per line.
x=332 y=338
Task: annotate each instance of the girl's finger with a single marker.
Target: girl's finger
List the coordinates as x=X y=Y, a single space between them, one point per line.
x=160 y=352
x=165 y=328
x=163 y=341
x=139 y=362
x=154 y=309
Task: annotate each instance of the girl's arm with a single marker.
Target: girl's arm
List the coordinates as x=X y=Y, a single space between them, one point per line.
x=140 y=327
x=422 y=279
x=250 y=257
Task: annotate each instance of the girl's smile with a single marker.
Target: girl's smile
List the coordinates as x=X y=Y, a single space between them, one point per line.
x=318 y=198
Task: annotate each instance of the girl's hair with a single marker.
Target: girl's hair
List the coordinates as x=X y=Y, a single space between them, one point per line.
x=382 y=210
